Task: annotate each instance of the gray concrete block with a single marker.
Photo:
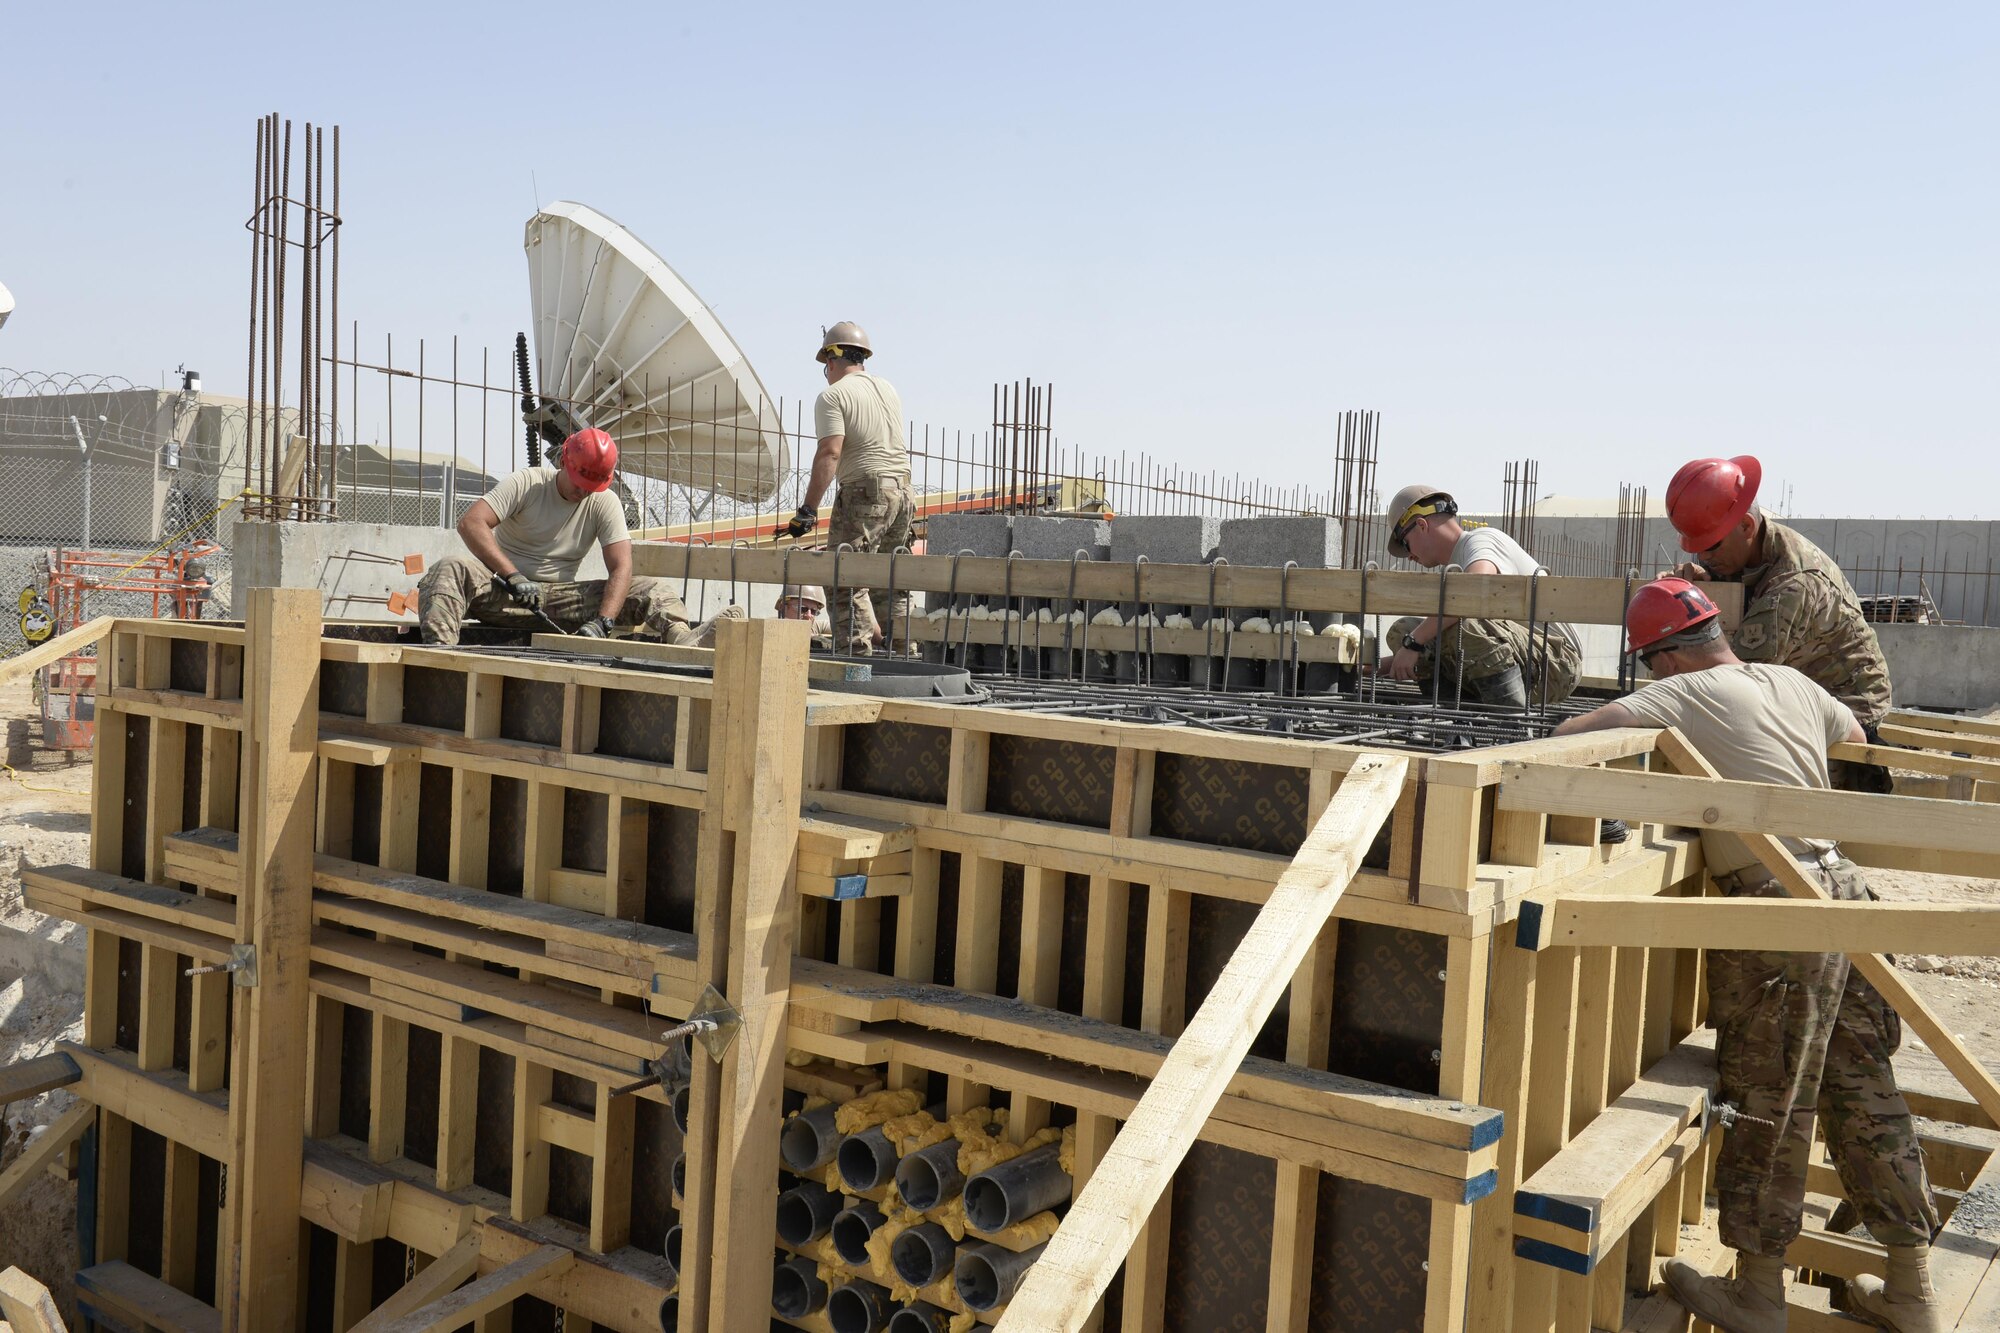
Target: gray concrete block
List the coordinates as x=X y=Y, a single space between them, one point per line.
x=1062 y=538
x=1167 y=539
x=1314 y=542
x=981 y=534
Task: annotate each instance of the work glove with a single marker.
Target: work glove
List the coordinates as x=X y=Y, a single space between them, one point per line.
x=802 y=522
x=596 y=629
x=524 y=590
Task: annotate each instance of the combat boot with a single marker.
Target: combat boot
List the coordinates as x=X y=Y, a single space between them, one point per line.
x=1906 y=1303
x=1751 y=1302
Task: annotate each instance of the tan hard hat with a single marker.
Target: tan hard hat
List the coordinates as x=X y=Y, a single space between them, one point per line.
x=1405 y=500
x=844 y=334
x=804 y=592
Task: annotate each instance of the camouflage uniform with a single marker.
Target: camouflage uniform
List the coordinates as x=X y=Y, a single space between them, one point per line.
x=1799 y=1033
x=1798 y=611
x=869 y=514
x=456 y=590
x=1492 y=647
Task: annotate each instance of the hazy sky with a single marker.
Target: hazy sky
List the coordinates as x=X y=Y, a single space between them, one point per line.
x=1611 y=237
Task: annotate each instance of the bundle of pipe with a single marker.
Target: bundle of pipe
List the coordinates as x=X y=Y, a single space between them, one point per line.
x=929 y=1177
x=809 y=1140
x=923 y=1254
x=796 y=1288
x=670 y=1314
x=805 y=1213
x=852 y=1230
x=671 y=1250
x=859 y=1307
x=920 y=1317
x=1017 y=1189
x=987 y=1275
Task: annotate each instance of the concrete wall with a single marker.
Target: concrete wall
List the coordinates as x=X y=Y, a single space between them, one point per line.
x=1942 y=666
x=351 y=565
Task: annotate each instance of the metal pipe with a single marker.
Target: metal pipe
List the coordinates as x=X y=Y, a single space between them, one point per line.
x=930 y=1176
x=853 y=1229
x=682 y=1100
x=671 y=1249
x=809 y=1140
x=796 y=1288
x=859 y=1307
x=677 y=1175
x=867 y=1160
x=805 y=1212
x=923 y=1254
x=670 y=1314
x=920 y=1317
x=1017 y=1189
x=988 y=1275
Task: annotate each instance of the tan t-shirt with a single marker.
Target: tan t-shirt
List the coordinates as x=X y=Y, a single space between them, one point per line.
x=1756 y=723
x=866 y=410
x=545 y=535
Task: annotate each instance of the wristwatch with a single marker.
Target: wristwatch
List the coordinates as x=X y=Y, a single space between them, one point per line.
x=1410 y=642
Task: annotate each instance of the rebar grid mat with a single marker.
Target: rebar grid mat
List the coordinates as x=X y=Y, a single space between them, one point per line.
x=1397 y=716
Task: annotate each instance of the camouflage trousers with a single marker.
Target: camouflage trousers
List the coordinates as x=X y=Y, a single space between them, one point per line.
x=1846 y=775
x=869 y=514
x=456 y=590
x=1489 y=650
x=1799 y=1034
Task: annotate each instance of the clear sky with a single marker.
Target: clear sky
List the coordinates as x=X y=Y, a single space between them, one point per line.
x=1610 y=237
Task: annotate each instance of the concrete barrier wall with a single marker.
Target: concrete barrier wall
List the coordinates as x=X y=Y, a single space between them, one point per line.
x=1943 y=666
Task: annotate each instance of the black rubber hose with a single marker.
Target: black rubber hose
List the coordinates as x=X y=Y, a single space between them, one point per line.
x=527 y=398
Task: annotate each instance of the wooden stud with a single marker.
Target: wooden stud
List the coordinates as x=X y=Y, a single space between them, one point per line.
x=458 y=1110
x=1296 y=1212
x=114 y=1187
x=220 y=775
x=611 y=1171
x=579 y=721
x=532 y=1085
x=746 y=846
x=388 y=1082
x=916 y=937
x=1163 y=1002
x=1510 y=1050
x=180 y=1215
x=1040 y=975
x=268 y=1088
x=159 y=970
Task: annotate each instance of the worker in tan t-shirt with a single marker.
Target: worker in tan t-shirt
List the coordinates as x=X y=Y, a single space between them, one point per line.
x=1796 y=1033
x=859 y=422
x=527 y=537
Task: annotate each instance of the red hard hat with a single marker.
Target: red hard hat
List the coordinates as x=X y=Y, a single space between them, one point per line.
x=589 y=457
x=1710 y=496
x=1664 y=608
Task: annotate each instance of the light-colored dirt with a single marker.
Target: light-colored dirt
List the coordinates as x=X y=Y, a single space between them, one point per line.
x=44 y=820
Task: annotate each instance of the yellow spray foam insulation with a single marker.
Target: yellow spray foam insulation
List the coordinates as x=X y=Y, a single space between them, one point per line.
x=811 y=1103
x=964 y=1323
x=951 y=1216
x=1027 y=1233
x=872 y=1109
x=799 y=1059
x=986 y=1151
x=1066 y=1155
x=894 y=1225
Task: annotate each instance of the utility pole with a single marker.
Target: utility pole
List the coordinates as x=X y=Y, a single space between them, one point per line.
x=84 y=447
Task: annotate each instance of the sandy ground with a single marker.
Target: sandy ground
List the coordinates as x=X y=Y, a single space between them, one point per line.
x=44 y=820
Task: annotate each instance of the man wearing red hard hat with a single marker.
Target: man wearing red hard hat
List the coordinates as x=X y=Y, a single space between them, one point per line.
x=1798 y=608
x=527 y=537
x=1797 y=1033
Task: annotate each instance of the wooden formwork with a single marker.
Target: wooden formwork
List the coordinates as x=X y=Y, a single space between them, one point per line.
x=478 y=888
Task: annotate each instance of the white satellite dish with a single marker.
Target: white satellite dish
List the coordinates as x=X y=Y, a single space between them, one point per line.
x=625 y=343
x=6 y=303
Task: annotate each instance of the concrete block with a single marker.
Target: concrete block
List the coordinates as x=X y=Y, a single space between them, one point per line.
x=1062 y=538
x=1314 y=542
x=1942 y=666
x=1167 y=539
x=981 y=534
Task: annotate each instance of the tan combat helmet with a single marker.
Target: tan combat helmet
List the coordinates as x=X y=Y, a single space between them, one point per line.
x=845 y=335
x=1410 y=504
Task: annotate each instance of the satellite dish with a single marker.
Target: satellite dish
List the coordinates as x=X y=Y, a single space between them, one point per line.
x=6 y=303
x=629 y=348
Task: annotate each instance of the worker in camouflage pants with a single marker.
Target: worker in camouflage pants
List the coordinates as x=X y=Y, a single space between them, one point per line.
x=1781 y=1019
x=859 y=422
x=1487 y=650
x=456 y=590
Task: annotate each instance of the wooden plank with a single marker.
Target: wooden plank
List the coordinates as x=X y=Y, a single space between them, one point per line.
x=267 y=1104
x=124 y=1293
x=1510 y=1050
x=1755 y=807
x=1945 y=1044
x=438 y=1279
x=1596 y=601
x=1774 y=924
x=44 y=1148
x=495 y=1289
x=744 y=918
x=1296 y=1210
x=30 y=1078
x=1065 y=1284
x=26 y=1306
x=62 y=645
x=1923 y=738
